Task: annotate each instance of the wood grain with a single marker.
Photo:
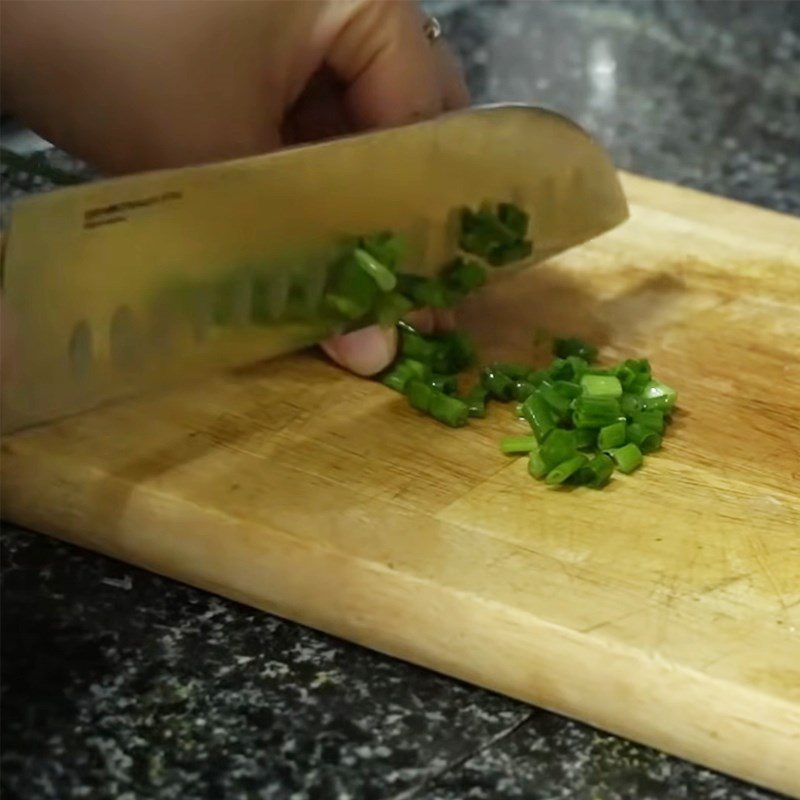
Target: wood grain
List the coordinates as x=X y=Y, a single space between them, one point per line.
x=665 y=608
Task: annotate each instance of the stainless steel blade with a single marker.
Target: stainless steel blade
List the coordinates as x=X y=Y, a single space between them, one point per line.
x=124 y=285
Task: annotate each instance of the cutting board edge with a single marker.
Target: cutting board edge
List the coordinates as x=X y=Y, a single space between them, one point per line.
x=668 y=713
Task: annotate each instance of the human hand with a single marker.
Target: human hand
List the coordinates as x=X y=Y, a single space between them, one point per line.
x=130 y=85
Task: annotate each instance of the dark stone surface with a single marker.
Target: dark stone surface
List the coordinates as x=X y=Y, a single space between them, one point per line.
x=704 y=94
x=120 y=684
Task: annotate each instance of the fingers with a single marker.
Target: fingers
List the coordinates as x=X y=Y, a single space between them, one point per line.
x=451 y=77
x=370 y=350
x=365 y=351
x=319 y=113
x=391 y=70
x=393 y=75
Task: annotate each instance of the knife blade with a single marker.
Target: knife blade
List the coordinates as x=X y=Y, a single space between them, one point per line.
x=115 y=287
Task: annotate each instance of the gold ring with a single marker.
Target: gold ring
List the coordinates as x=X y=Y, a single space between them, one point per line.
x=432 y=29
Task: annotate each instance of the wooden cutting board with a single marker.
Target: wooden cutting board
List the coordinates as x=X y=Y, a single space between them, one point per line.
x=665 y=608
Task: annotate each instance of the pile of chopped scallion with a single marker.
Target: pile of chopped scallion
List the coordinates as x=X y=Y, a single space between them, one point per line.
x=586 y=421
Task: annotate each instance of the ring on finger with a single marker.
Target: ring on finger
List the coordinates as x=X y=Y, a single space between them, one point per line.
x=432 y=29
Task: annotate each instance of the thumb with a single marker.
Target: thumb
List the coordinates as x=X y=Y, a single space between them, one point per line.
x=365 y=351
x=386 y=62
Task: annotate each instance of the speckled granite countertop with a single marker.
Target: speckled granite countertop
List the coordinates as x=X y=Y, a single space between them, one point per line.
x=120 y=684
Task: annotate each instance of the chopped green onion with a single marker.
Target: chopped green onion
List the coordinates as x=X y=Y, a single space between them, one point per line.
x=611 y=436
x=502 y=254
x=579 y=368
x=559 y=403
x=385 y=247
x=560 y=473
x=396 y=379
x=630 y=404
x=658 y=396
x=499 y=385
x=391 y=307
x=407 y=283
x=574 y=347
x=499 y=236
x=585 y=437
x=538 y=415
x=517 y=445
x=516 y=372
x=557 y=447
x=648 y=441
x=449 y=410
x=557 y=399
x=600 y=406
x=456 y=352
x=626 y=376
x=570 y=406
x=641 y=366
x=381 y=274
x=345 y=306
x=596 y=473
x=595 y=412
x=651 y=420
x=639 y=383
x=635 y=383
x=433 y=293
x=537 y=376
x=523 y=390
x=628 y=458
x=480 y=231
x=414 y=345
x=601 y=386
x=571 y=368
x=568 y=389
x=465 y=275
x=477 y=242
x=536 y=466
x=354 y=292
x=419 y=395
x=490 y=221
x=476 y=401
x=405 y=370
x=559 y=369
x=416 y=368
x=446 y=353
x=581 y=477
x=444 y=383
x=514 y=218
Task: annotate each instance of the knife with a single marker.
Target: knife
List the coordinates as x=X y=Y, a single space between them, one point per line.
x=115 y=286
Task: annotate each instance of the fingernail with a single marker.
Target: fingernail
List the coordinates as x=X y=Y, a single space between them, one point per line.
x=365 y=351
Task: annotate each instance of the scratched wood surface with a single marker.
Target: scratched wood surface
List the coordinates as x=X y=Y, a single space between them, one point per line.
x=665 y=608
